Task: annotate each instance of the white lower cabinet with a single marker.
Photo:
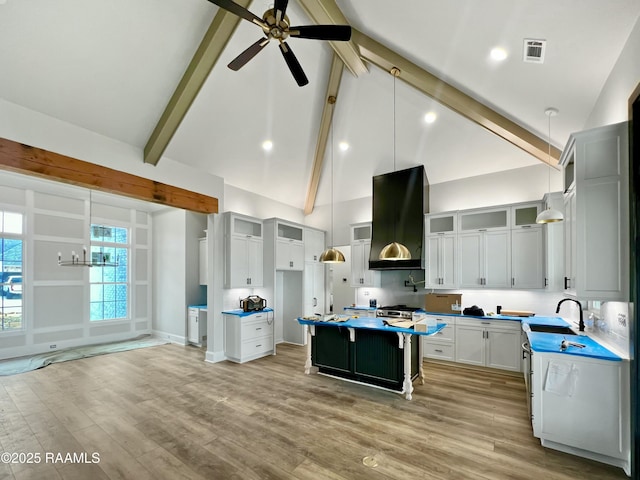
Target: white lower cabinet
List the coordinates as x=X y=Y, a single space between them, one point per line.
x=441 y=346
x=248 y=336
x=580 y=405
x=197 y=326
x=488 y=343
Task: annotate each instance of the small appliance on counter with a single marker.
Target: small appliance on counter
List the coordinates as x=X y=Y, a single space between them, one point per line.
x=400 y=311
x=253 y=303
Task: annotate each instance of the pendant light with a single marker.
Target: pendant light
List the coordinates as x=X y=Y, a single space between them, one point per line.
x=550 y=215
x=394 y=250
x=332 y=254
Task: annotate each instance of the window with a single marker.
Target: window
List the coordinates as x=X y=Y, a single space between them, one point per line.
x=110 y=273
x=11 y=250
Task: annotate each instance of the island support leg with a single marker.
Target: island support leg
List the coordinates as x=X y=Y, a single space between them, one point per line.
x=408 y=385
x=307 y=363
x=420 y=359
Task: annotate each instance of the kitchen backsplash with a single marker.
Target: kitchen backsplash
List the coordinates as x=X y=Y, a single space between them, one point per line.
x=610 y=325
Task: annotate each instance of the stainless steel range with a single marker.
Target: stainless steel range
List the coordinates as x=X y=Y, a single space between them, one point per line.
x=400 y=311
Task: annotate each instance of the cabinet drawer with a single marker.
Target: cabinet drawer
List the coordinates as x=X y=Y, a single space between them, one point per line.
x=257 y=346
x=446 y=334
x=493 y=324
x=439 y=350
x=255 y=329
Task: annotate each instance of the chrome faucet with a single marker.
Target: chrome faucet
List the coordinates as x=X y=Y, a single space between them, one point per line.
x=581 y=323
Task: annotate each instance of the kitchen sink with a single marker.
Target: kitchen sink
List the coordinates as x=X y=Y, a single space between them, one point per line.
x=552 y=329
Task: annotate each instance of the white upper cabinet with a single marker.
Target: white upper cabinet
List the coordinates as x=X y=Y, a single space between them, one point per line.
x=554 y=245
x=243 y=251
x=361 y=276
x=484 y=248
x=596 y=166
x=483 y=220
x=289 y=246
x=527 y=247
x=314 y=244
x=441 y=248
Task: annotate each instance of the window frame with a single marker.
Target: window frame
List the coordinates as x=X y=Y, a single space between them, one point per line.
x=21 y=237
x=127 y=283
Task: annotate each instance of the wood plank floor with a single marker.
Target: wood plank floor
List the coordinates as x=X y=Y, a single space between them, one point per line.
x=163 y=413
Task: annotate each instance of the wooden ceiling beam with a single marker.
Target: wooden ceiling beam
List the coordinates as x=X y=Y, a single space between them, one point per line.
x=211 y=46
x=28 y=160
x=327 y=12
x=455 y=99
x=333 y=86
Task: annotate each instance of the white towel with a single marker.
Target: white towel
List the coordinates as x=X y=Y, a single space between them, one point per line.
x=561 y=378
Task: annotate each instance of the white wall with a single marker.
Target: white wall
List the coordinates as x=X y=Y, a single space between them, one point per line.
x=169 y=274
x=55 y=300
x=258 y=206
x=612 y=105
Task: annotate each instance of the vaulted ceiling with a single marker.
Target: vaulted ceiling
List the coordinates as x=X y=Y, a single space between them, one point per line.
x=113 y=67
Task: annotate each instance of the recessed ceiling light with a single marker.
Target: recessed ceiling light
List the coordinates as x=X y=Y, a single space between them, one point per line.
x=498 y=54
x=344 y=146
x=430 y=117
x=267 y=145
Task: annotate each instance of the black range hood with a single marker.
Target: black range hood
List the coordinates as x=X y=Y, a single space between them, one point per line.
x=400 y=200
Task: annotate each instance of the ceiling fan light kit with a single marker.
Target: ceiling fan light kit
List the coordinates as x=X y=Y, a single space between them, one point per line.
x=275 y=25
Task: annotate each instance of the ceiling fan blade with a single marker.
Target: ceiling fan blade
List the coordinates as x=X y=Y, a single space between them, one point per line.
x=280 y=7
x=240 y=61
x=238 y=10
x=293 y=64
x=340 y=33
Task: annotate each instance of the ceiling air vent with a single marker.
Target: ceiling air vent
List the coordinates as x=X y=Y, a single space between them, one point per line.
x=534 y=50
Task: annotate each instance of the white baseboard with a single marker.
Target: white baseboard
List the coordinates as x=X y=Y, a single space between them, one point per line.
x=177 y=339
x=214 y=357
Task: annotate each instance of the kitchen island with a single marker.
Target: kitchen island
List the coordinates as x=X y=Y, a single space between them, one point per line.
x=365 y=350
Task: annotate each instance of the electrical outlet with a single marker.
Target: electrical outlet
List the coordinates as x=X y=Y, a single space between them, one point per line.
x=366 y=293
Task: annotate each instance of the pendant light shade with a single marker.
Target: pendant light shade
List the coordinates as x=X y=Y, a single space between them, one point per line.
x=394 y=250
x=332 y=254
x=550 y=215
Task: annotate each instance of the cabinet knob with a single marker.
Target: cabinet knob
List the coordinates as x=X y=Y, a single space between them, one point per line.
x=291 y=264
x=438 y=350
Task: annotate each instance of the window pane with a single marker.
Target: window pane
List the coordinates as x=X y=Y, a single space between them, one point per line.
x=109 y=289
x=12 y=223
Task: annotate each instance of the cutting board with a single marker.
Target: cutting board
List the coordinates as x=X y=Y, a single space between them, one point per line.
x=517 y=313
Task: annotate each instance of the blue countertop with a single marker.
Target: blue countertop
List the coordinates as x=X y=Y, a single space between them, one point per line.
x=361 y=307
x=241 y=313
x=200 y=307
x=371 y=323
x=550 y=343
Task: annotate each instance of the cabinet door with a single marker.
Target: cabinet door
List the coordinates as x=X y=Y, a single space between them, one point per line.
x=202 y=270
x=433 y=260
x=503 y=349
x=471 y=259
x=313 y=245
x=192 y=327
x=289 y=255
x=470 y=345
x=238 y=262
x=357 y=263
x=527 y=260
x=254 y=261
x=497 y=259
x=441 y=270
x=313 y=288
x=569 y=242
x=447 y=255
